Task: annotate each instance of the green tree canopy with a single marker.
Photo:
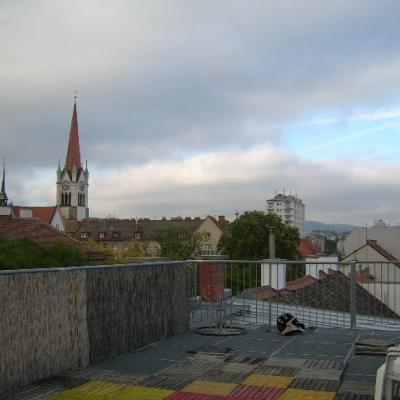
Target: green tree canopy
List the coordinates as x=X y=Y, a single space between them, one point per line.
x=248 y=237
x=178 y=243
x=26 y=253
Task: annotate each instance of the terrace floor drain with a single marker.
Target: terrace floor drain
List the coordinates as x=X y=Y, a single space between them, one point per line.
x=220 y=331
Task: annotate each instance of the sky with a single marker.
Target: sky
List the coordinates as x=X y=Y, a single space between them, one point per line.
x=198 y=108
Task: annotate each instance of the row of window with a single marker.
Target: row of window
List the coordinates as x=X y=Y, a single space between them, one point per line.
x=115 y=235
x=66 y=199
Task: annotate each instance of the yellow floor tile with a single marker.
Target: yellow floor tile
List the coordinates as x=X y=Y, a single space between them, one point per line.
x=93 y=390
x=134 y=392
x=96 y=390
x=300 y=394
x=209 y=387
x=269 y=380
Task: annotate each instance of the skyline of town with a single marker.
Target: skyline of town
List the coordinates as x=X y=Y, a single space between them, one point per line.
x=197 y=110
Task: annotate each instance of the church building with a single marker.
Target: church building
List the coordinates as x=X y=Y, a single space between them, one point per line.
x=73 y=179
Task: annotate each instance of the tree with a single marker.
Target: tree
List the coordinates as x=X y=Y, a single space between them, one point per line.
x=178 y=243
x=248 y=237
x=26 y=253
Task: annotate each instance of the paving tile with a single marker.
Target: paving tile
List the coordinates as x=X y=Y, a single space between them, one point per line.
x=299 y=394
x=357 y=387
x=202 y=362
x=194 y=396
x=323 y=364
x=354 y=396
x=269 y=380
x=285 y=362
x=168 y=381
x=228 y=377
x=256 y=392
x=32 y=392
x=246 y=359
x=67 y=382
x=96 y=390
x=326 y=385
x=141 y=393
x=332 y=374
x=209 y=387
x=108 y=375
x=93 y=390
x=274 y=370
x=238 y=367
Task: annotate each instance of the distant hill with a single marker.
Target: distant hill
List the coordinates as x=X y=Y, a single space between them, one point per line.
x=320 y=226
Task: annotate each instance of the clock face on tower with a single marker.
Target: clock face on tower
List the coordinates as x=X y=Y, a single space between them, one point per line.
x=82 y=186
x=65 y=185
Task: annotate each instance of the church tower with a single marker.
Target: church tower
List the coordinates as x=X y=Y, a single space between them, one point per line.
x=5 y=209
x=73 y=179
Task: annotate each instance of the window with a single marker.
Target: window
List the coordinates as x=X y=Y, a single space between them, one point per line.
x=115 y=235
x=81 y=199
x=208 y=235
x=137 y=235
x=101 y=235
x=208 y=246
x=84 y=235
x=65 y=199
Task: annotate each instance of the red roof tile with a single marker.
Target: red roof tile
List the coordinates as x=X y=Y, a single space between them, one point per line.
x=44 y=213
x=40 y=232
x=73 y=153
x=307 y=248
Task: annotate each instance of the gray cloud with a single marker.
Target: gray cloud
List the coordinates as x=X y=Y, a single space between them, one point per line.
x=165 y=81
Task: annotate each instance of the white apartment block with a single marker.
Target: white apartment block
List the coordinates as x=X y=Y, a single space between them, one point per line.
x=290 y=208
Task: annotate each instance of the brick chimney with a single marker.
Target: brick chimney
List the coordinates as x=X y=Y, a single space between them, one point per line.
x=222 y=220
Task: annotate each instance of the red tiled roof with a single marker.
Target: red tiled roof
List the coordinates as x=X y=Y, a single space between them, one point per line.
x=307 y=248
x=73 y=153
x=44 y=213
x=40 y=232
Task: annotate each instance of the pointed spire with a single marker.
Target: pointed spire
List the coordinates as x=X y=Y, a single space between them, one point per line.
x=73 y=154
x=3 y=195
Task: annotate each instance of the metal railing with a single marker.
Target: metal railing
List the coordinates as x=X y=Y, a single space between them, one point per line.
x=356 y=294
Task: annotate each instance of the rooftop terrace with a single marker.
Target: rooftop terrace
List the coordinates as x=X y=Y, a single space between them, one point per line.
x=260 y=364
x=128 y=332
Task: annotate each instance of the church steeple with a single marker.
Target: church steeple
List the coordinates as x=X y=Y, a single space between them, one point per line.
x=73 y=154
x=3 y=195
x=73 y=179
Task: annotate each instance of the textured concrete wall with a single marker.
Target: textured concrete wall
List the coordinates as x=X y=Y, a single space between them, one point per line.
x=55 y=321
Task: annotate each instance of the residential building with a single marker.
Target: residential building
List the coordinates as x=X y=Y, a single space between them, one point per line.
x=44 y=234
x=290 y=208
x=387 y=237
x=73 y=179
x=119 y=235
x=52 y=215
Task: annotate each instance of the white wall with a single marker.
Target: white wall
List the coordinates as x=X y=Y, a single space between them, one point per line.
x=278 y=274
x=387 y=237
x=313 y=269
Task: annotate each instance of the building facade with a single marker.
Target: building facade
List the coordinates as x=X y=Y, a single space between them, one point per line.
x=290 y=208
x=73 y=179
x=121 y=236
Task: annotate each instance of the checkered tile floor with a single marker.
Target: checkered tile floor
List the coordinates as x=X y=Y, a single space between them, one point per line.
x=260 y=365
x=208 y=377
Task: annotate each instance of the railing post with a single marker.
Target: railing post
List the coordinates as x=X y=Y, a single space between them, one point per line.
x=353 y=296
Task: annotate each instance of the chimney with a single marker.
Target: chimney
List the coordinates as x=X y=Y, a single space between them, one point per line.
x=222 y=220
x=273 y=274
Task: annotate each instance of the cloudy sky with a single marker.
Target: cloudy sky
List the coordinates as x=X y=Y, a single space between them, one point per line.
x=204 y=107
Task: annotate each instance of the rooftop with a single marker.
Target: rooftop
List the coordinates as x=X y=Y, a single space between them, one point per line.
x=260 y=364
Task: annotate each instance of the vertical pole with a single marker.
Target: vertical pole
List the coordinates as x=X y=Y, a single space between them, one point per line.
x=353 y=296
x=272 y=246
x=269 y=299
